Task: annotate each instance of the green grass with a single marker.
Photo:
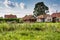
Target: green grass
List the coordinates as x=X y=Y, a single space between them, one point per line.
x=30 y=31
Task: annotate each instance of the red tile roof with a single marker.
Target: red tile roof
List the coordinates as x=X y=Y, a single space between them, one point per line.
x=43 y=16
x=27 y=17
x=56 y=14
x=10 y=16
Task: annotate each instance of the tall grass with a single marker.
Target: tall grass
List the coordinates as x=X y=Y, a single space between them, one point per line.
x=30 y=31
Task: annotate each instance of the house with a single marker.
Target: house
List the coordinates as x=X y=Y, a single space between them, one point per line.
x=29 y=18
x=44 y=18
x=56 y=17
x=10 y=16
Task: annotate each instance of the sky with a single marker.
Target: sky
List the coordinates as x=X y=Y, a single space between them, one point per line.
x=26 y=7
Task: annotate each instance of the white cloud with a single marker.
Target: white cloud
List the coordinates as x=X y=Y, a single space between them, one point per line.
x=16 y=4
x=5 y=3
x=53 y=8
x=22 y=5
x=9 y=4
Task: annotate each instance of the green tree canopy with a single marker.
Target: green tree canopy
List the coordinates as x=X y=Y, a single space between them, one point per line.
x=40 y=8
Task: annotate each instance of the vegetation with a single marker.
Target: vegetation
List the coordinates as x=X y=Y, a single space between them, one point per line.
x=9 y=20
x=30 y=31
x=40 y=8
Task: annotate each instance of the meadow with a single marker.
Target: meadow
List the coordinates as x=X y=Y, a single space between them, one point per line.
x=29 y=31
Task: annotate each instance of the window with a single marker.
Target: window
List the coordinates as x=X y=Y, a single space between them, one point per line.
x=49 y=19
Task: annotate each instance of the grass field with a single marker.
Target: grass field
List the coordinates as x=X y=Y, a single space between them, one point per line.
x=29 y=31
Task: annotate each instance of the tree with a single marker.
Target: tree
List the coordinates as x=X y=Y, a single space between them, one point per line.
x=40 y=8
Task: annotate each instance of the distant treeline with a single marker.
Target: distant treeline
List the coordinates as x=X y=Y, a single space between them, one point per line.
x=9 y=20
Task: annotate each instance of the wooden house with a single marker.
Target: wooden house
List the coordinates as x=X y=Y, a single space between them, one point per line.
x=44 y=18
x=29 y=18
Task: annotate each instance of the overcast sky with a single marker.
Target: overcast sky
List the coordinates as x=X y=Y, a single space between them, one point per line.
x=26 y=7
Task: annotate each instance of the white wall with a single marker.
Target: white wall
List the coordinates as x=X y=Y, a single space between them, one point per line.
x=39 y=20
x=48 y=19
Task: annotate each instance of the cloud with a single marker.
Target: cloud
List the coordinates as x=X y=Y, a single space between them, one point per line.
x=16 y=4
x=9 y=4
x=53 y=8
x=5 y=3
x=22 y=5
